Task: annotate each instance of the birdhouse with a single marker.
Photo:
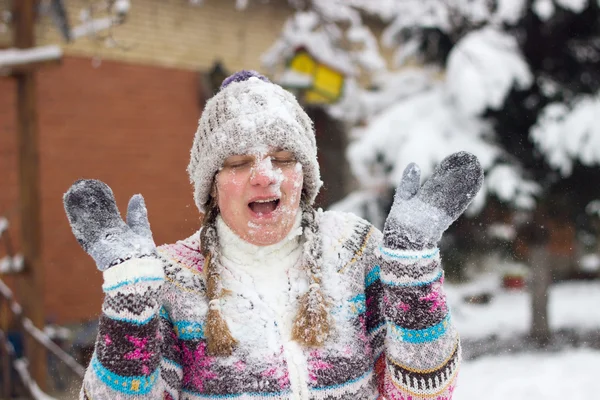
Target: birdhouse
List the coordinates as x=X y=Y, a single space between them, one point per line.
x=311 y=80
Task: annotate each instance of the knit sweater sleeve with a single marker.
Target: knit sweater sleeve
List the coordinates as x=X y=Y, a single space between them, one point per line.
x=417 y=349
x=133 y=335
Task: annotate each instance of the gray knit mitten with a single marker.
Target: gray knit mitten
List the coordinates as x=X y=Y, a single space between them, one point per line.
x=96 y=223
x=420 y=215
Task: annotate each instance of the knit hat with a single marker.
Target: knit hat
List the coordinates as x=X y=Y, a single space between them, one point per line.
x=249 y=110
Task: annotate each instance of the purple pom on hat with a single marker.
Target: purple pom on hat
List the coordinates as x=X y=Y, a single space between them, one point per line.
x=243 y=75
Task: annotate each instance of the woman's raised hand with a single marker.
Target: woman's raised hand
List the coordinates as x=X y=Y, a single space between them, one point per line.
x=420 y=215
x=96 y=223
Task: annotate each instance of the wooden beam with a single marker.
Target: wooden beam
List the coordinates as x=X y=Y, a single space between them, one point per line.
x=14 y=71
x=30 y=283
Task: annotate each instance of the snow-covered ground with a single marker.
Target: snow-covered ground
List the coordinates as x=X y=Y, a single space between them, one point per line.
x=570 y=305
x=570 y=373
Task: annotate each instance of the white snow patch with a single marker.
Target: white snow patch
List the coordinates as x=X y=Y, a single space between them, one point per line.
x=425 y=128
x=121 y=7
x=10 y=264
x=568 y=374
x=363 y=203
x=593 y=208
x=509 y=312
x=482 y=68
x=91 y=27
x=304 y=30
x=565 y=134
x=57 y=332
x=590 y=263
x=509 y=11
x=544 y=9
x=576 y=6
x=5 y=291
x=14 y=57
x=295 y=79
x=506 y=182
x=3 y=225
x=22 y=367
x=360 y=105
x=502 y=231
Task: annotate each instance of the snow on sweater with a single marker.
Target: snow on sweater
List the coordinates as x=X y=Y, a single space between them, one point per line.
x=392 y=333
x=271 y=279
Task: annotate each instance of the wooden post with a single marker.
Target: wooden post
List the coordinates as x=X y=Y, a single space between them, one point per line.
x=30 y=282
x=4 y=353
x=540 y=263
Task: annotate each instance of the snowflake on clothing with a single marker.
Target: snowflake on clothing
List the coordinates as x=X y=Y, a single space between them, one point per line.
x=140 y=352
x=196 y=366
x=436 y=296
x=316 y=364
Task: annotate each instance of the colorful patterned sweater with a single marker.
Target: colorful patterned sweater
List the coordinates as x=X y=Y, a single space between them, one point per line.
x=392 y=335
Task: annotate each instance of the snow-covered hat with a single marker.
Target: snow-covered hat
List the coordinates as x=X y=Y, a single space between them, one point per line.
x=249 y=110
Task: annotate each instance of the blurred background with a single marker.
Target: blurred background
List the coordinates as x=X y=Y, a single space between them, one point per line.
x=113 y=89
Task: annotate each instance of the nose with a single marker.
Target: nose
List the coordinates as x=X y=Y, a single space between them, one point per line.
x=262 y=176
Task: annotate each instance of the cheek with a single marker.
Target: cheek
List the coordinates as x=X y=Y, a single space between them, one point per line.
x=293 y=184
x=229 y=188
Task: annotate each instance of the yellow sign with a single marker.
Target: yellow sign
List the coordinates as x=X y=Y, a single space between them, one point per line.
x=324 y=83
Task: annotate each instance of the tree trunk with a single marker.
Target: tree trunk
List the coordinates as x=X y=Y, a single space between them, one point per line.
x=539 y=261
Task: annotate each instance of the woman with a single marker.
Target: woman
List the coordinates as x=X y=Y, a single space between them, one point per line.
x=272 y=299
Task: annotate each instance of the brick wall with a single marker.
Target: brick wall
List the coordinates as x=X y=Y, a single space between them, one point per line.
x=173 y=33
x=129 y=125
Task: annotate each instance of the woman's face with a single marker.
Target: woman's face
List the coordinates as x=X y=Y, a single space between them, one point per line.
x=258 y=194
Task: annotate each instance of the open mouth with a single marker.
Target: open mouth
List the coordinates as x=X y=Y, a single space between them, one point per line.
x=264 y=206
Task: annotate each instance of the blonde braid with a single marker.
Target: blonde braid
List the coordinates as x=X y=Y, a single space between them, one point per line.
x=312 y=324
x=220 y=342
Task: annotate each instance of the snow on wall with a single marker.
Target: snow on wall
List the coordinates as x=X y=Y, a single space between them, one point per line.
x=91 y=27
x=13 y=57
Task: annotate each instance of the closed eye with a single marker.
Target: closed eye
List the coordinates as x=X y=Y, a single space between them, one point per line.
x=283 y=157
x=238 y=164
x=284 y=161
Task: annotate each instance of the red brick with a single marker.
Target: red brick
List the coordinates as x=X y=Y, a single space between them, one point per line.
x=129 y=125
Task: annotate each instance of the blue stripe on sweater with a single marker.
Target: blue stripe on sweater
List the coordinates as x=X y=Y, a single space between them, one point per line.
x=408 y=256
x=419 y=335
x=413 y=283
x=132 y=321
x=372 y=276
x=358 y=304
x=187 y=330
x=164 y=314
x=132 y=282
x=134 y=385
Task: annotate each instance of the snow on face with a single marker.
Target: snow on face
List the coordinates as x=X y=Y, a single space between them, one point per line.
x=258 y=194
